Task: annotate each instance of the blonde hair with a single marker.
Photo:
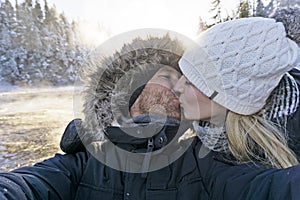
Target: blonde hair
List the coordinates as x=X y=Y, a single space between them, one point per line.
x=253 y=138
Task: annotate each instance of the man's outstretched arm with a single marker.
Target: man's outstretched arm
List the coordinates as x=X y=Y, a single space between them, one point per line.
x=55 y=178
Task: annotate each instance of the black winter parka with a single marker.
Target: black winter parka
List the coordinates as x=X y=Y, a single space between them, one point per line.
x=81 y=176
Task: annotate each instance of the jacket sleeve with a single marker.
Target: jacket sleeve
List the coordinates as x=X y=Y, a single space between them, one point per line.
x=55 y=178
x=248 y=181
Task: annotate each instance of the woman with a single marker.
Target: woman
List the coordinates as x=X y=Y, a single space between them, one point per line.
x=237 y=88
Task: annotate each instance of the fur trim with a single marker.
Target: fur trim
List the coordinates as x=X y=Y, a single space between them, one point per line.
x=111 y=81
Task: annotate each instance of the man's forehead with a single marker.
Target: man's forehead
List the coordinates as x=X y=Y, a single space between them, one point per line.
x=168 y=69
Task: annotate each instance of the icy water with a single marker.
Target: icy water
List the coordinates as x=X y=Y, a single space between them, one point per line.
x=31 y=124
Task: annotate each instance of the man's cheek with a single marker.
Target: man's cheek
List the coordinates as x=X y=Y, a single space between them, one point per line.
x=135 y=108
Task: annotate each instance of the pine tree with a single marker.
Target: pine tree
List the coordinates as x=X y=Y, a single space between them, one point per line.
x=287 y=3
x=270 y=8
x=201 y=25
x=51 y=16
x=260 y=9
x=8 y=9
x=28 y=3
x=37 y=14
x=244 y=9
x=216 y=10
x=5 y=68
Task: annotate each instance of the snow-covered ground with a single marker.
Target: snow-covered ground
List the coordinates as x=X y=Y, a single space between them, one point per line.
x=31 y=124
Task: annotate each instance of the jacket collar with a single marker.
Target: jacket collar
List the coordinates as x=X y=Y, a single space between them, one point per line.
x=144 y=128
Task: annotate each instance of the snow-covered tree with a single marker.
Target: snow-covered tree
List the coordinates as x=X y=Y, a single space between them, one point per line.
x=37 y=14
x=287 y=3
x=7 y=65
x=260 y=9
x=290 y=17
x=244 y=9
x=216 y=11
x=38 y=45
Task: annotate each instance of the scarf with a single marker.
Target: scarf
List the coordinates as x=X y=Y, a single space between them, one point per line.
x=212 y=137
x=282 y=102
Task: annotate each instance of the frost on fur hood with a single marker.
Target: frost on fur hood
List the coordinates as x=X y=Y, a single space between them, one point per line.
x=110 y=81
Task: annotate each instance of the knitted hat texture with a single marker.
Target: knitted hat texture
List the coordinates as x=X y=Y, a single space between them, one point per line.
x=238 y=63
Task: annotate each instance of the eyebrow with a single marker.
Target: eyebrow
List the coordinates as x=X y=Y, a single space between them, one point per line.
x=168 y=70
x=165 y=69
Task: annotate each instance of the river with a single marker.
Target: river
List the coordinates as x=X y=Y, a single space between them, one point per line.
x=32 y=122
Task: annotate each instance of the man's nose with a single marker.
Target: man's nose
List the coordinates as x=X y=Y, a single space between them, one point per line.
x=178 y=87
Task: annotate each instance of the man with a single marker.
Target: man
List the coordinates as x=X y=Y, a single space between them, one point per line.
x=137 y=158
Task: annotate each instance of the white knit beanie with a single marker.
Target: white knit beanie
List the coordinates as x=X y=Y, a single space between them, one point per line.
x=238 y=63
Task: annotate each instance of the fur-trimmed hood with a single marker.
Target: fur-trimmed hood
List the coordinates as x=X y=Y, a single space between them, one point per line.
x=111 y=81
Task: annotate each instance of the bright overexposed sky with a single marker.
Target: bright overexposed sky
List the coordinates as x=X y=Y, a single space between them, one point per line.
x=119 y=16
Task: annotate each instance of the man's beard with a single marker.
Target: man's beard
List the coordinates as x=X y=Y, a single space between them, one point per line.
x=156 y=99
